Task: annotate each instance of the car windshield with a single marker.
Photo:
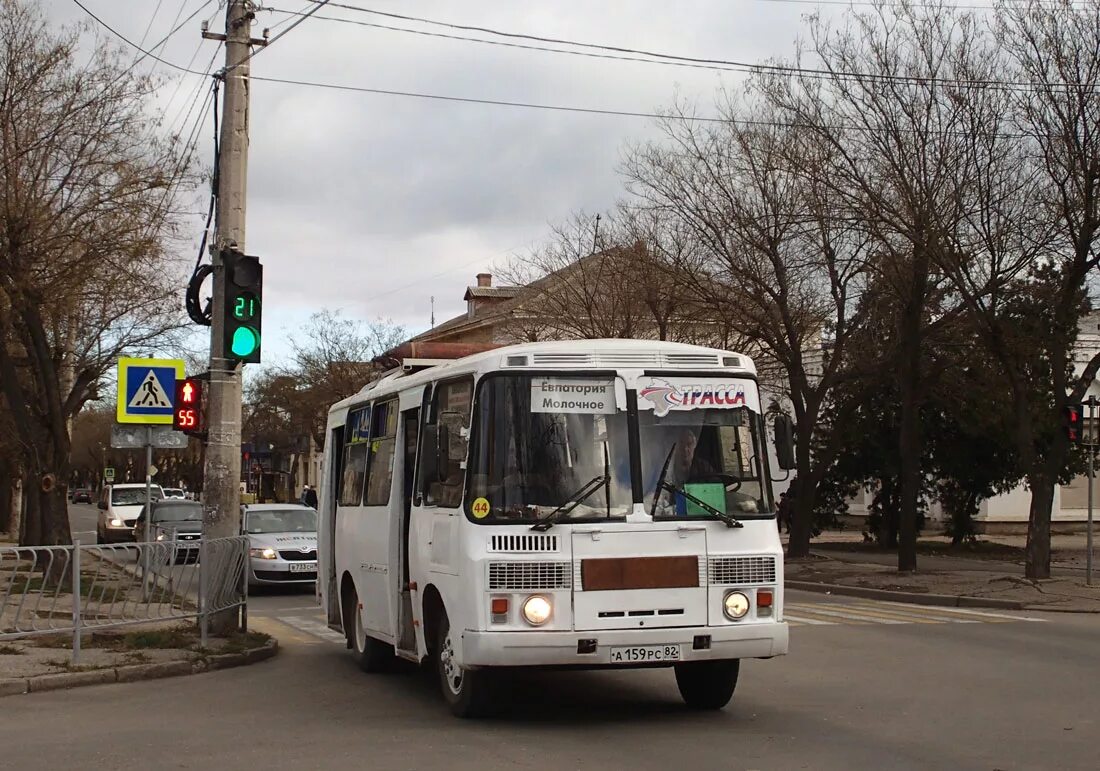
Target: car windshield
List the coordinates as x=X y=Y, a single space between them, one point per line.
x=132 y=496
x=540 y=443
x=281 y=521
x=177 y=512
x=713 y=455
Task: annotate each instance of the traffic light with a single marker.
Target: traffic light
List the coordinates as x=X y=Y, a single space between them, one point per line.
x=1072 y=423
x=187 y=415
x=243 y=282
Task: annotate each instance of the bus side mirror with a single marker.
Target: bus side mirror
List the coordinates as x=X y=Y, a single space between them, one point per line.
x=784 y=441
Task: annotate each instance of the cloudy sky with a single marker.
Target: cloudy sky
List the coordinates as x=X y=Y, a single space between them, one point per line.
x=371 y=203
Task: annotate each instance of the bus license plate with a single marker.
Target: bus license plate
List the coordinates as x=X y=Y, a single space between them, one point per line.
x=641 y=654
x=303 y=567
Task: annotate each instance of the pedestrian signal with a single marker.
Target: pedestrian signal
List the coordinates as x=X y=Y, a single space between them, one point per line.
x=187 y=416
x=243 y=279
x=1072 y=423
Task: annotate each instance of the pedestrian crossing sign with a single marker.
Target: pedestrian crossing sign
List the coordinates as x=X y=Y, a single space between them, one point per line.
x=146 y=390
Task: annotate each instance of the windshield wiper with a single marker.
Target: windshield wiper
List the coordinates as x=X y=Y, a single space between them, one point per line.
x=729 y=519
x=574 y=500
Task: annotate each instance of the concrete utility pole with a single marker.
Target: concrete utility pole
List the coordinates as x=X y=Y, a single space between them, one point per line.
x=222 y=473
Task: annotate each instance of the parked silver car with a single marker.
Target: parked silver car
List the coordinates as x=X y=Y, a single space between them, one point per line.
x=282 y=543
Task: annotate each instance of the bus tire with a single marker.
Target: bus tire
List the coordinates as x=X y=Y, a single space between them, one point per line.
x=468 y=692
x=372 y=655
x=707 y=684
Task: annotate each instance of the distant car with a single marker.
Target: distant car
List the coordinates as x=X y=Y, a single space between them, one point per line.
x=119 y=506
x=172 y=517
x=282 y=543
x=81 y=495
x=174 y=492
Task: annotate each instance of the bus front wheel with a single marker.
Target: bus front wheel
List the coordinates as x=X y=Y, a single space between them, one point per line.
x=707 y=684
x=468 y=692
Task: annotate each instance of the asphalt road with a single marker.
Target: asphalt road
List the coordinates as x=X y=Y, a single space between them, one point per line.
x=867 y=685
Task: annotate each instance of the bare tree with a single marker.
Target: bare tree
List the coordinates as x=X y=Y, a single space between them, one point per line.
x=331 y=360
x=888 y=100
x=573 y=287
x=1024 y=257
x=768 y=252
x=85 y=225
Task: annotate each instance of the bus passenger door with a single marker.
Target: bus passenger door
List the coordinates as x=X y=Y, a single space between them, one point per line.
x=377 y=572
x=410 y=431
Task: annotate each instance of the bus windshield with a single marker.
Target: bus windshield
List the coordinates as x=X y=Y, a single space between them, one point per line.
x=714 y=455
x=542 y=442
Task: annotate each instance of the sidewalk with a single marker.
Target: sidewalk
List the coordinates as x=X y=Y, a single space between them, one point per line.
x=990 y=572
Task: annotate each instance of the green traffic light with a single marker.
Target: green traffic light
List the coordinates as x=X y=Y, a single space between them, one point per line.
x=245 y=342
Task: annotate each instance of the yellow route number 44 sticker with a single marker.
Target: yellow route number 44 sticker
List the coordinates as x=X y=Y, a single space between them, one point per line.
x=480 y=508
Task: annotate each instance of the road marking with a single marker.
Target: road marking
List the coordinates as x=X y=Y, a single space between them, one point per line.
x=314 y=628
x=280 y=630
x=869 y=612
x=982 y=614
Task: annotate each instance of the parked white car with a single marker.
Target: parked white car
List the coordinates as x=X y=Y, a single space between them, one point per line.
x=175 y=492
x=119 y=506
x=282 y=543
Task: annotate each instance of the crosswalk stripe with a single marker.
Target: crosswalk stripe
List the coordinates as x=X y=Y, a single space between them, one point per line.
x=940 y=614
x=847 y=615
x=281 y=630
x=796 y=620
x=315 y=628
x=983 y=615
x=911 y=615
x=869 y=612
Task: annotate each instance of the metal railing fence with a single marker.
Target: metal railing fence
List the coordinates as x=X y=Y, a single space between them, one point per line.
x=119 y=585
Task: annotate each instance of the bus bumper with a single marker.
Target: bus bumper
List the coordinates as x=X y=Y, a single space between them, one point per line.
x=546 y=648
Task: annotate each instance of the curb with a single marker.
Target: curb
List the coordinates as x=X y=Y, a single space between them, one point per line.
x=943 y=600
x=132 y=673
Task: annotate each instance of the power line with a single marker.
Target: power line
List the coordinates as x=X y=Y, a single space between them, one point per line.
x=149 y=26
x=733 y=64
x=522 y=46
x=743 y=122
x=144 y=52
x=496 y=102
x=304 y=15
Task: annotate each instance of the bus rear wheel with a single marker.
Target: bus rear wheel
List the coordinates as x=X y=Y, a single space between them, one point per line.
x=468 y=692
x=707 y=684
x=373 y=655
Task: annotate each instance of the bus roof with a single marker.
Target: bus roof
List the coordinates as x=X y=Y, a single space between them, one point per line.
x=567 y=355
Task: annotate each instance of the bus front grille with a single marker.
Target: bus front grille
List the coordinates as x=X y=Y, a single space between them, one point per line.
x=522 y=576
x=742 y=570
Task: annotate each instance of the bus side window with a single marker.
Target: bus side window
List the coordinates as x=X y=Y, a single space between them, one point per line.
x=355 y=458
x=451 y=424
x=383 y=439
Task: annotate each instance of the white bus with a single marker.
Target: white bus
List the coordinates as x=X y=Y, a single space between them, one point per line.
x=596 y=503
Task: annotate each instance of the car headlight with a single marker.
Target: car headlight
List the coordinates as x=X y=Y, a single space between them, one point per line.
x=735 y=605
x=266 y=553
x=537 y=610
x=161 y=536
x=116 y=522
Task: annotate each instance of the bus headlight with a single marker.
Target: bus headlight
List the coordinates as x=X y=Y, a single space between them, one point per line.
x=735 y=606
x=537 y=610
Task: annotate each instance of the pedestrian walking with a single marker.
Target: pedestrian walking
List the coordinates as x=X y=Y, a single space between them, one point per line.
x=783 y=513
x=309 y=497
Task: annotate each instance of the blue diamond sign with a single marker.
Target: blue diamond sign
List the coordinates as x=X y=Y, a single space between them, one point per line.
x=146 y=390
